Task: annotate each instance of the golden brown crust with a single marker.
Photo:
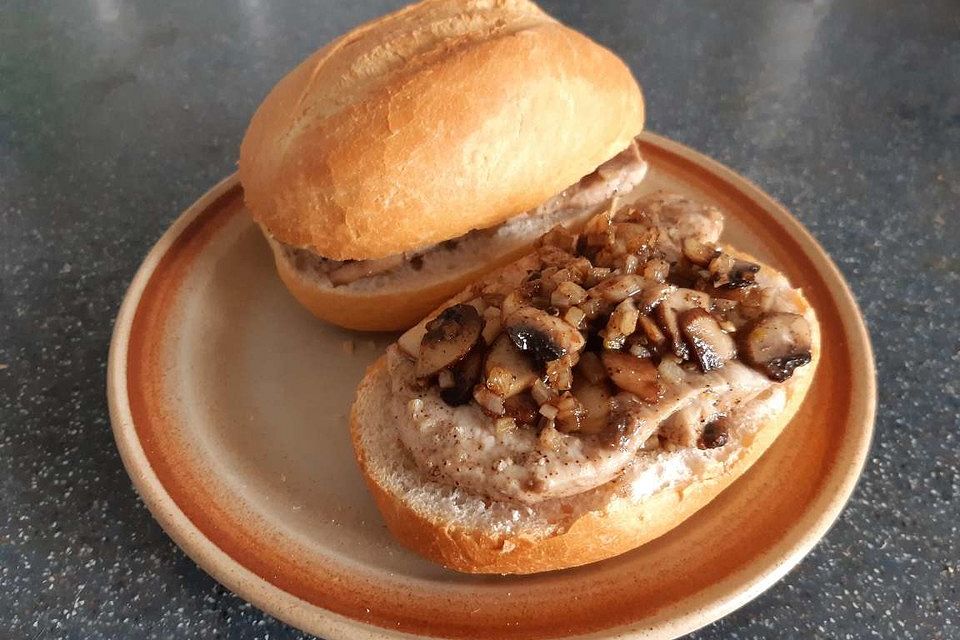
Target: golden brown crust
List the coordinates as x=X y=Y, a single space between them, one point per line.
x=622 y=526
x=446 y=116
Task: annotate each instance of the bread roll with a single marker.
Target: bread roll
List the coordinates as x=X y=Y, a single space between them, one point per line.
x=399 y=297
x=657 y=492
x=445 y=116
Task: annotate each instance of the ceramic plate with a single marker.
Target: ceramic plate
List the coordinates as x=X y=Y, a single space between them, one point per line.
x=229 y=405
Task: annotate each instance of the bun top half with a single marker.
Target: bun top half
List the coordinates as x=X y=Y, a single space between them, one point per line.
x=445 y=116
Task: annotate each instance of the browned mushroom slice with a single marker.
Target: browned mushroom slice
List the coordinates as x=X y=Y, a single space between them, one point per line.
x=541 y=335
x=448 y=338
x=465 y=376
x=778 y=344
x=639 y=376
x=711 y=347
x=731 y=273
x=668 y=313
x=595 y=401
x=699 y=253
x=506 y=370
x=715 y=434
x=743 y=274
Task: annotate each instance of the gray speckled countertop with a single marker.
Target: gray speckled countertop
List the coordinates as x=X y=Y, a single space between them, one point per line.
x=116 y=115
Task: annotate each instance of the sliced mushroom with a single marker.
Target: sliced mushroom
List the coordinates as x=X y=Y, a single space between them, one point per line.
x=699 y=253
x=595 y=399
x=541 y=335
x=715 y=434
x=464 y=377
x=445 y=379
x=639 y=376
x=730 y=273
x=668 y=312
x=778 y=344
x=711 y=347
x=506 y=370
x=448 y=338
x=410 y=341
x=743 y=274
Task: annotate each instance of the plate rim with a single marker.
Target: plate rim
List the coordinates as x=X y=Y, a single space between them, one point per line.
x=315 y=619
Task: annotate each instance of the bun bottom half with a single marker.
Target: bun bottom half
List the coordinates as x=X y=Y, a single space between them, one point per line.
x=473 y=535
